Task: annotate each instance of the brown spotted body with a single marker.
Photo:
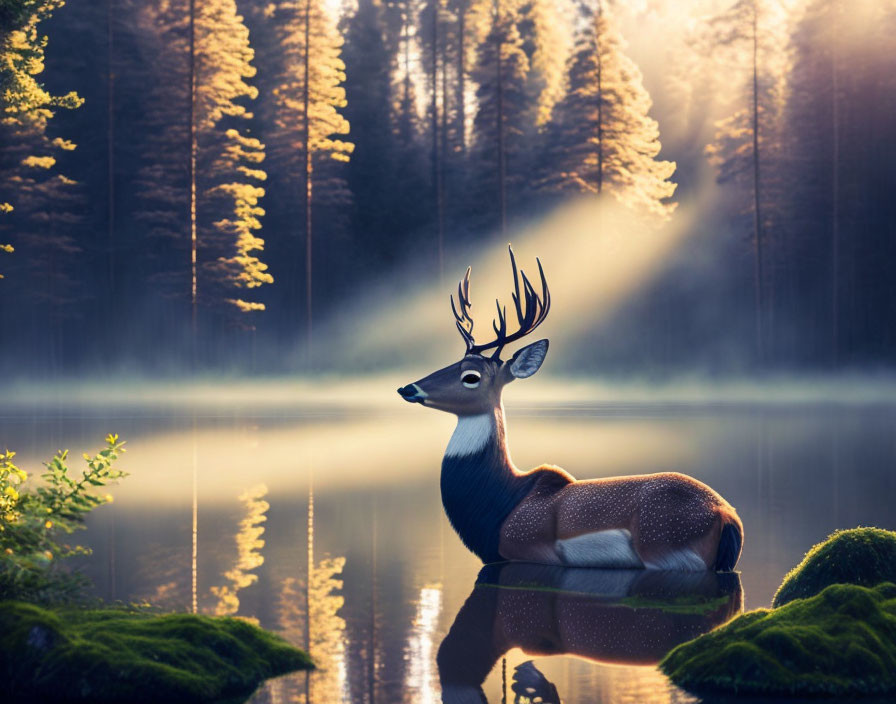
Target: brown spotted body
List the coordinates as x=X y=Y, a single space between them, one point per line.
x=662 y=513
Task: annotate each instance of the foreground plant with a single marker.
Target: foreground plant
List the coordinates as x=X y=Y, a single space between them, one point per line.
x=35 y=523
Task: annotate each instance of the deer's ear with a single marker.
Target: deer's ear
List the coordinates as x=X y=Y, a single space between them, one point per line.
x=528 y=360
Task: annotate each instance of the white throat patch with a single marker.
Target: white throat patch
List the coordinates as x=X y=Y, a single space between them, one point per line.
x=471 y=435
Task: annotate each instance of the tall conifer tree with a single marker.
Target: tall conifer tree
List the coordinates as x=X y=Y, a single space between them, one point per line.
x=602 y=137
x=208 y=160
x=308 y=98
x=504 y=116
x=39 y=205
x=748 y=39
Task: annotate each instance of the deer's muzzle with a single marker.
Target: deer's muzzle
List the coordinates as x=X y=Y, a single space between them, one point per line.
x=412 y=393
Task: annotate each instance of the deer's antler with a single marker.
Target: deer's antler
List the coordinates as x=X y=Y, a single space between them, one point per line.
x=463 y=320
x=531 y=310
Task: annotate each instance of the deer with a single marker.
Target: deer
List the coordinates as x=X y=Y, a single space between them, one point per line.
x=662 y=521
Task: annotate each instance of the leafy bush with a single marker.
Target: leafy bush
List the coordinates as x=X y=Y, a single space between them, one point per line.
x=35 y=524
x=865 y=556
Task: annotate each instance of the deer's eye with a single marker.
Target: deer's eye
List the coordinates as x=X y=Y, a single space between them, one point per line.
x=470 y=379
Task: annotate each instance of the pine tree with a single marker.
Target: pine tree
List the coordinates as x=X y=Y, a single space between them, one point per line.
x=472 y=20
x=202 y=173
x=504 y=117
x=545 y=27
x=377 y=176
x=748 y=37
x=400 y=16
x=229 y=160
x=602 y=137
x=437 y=43
x=411 y=192
x=306 y=104
x=163 y=182
x=39 y=205
x=839 y=139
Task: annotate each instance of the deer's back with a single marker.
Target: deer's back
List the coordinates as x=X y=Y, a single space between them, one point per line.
x=658 y=510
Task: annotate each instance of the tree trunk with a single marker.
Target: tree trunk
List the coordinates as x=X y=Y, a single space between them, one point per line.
x=113 y=293
x=499 y=87
x=443 y=160
x=194 y=587
x=835 y=197
x=434 y=109
x=460 y=98
x=306 y=120
x=757 y=219
x=600 y=120
x=406 y=124
x=194 y=148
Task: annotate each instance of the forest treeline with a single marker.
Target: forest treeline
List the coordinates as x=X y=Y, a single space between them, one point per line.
x=203 y=180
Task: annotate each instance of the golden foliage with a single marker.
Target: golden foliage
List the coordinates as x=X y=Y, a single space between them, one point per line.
x=26 y=107
x=326 y=75
x=228 y=160
x=38 y=162
x=605 y=138
x=245 y=306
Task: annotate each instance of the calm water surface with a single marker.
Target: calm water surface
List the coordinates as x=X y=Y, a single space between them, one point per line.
x=353 y=520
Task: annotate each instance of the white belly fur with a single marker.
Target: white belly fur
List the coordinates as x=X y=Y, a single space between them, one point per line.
x=603 y=548
x=613 y=549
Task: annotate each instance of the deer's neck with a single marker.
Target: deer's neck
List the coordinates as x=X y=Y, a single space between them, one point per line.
x=480 y=485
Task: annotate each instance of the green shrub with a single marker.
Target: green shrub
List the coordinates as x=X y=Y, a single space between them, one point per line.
x=864 y=556
x=840 y=642
x=115 y=655
x=35 y=524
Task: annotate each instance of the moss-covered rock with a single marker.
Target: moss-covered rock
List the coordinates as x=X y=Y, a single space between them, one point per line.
x=839 y=642
x=864 y=556
x=115 y=655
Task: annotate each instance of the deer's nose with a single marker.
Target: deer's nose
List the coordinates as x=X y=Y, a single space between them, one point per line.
x=412 y=393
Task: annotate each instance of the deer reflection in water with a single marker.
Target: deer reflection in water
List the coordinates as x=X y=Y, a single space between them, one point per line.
x=625 y=617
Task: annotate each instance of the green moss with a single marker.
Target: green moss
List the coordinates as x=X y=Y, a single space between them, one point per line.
x=841 y=642
x=115 y=655
x=864 y=556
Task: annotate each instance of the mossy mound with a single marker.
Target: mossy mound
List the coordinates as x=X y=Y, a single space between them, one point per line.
x=863 y=556
x=115 y=655
x=841 y=642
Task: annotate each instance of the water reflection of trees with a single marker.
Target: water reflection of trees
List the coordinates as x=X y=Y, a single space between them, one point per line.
x=248 y=552
x=168 y=569
x=327 y=645
x=308 y=617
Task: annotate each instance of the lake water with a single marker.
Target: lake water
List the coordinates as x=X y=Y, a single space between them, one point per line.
x=348 y=487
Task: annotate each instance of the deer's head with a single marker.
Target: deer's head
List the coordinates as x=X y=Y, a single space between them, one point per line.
x=473 y=385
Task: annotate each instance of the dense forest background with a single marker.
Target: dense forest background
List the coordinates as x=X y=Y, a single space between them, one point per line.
x=199 y=183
